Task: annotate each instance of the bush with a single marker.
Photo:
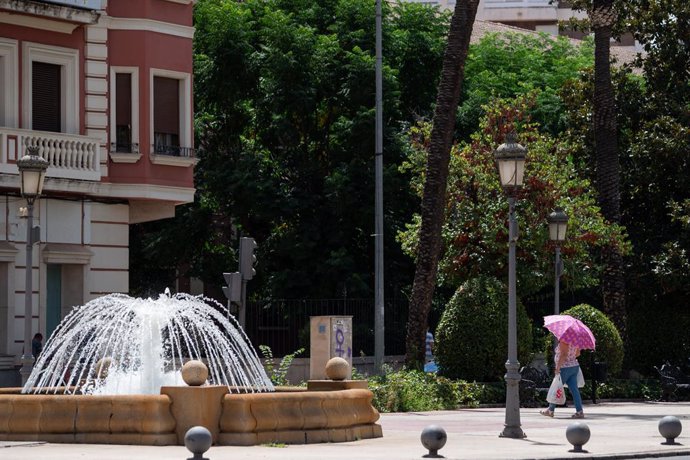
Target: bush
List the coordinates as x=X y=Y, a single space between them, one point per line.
x=472 y=336
x=657 y=328
x=609 y=342
x=410 y=391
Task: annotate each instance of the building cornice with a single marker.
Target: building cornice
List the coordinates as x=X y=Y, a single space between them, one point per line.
x=150 y=25
x=49 y=10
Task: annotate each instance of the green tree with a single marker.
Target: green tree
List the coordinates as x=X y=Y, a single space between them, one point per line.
x=475 y=233
x=284 y=94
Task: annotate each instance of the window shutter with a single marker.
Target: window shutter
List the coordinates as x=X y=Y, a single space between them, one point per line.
x=166 y=102
x=46 y=106
x=123 y=95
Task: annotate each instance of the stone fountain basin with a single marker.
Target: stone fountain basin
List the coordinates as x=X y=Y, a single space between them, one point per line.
x=289 y=415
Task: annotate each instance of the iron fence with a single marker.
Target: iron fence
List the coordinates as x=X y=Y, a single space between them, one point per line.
x=283 y=324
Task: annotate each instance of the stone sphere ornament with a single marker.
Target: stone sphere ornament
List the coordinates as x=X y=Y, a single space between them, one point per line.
x=670 y=428
x=433 y=438
x=198 y=440
x=337 y=368
x=577 y=434
x=194 y=373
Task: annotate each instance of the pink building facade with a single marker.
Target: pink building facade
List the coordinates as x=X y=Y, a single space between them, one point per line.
x=103 y=88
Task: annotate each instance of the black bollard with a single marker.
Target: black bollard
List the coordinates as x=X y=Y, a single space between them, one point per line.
x=198 y=440
x=434 y=438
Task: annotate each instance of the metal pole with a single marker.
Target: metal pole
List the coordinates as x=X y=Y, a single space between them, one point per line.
x=379 y=315
x=28 y=358
x=557 y=283
x=512 y=427
x=243 y=304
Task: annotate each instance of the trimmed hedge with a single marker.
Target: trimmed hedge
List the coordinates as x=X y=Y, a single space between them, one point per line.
x=609 y=342
x=472 y=336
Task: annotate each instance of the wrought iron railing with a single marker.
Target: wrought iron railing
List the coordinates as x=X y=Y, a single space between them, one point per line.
x=119 y=147
x=174 y=151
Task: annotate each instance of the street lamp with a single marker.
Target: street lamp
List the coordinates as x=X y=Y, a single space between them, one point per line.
x=32 y=170
x=558 y=224
x=510 y=161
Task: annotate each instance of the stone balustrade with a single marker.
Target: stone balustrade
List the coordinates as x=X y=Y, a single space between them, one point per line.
x=69 y=156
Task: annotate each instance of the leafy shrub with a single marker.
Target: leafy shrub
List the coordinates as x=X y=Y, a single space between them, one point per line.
x=278 y=375
x=472 y=337
x=412 y=390
x=609 y=342
x=656 y=338
x=407 y=391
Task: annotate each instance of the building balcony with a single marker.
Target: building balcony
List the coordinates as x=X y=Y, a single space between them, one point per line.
x=69 y=156
x=519 y=4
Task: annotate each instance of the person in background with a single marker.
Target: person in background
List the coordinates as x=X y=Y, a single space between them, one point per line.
x=37 y=345
x=429 y=364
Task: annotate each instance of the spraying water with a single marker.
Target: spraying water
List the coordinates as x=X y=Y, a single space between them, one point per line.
x=118 y=344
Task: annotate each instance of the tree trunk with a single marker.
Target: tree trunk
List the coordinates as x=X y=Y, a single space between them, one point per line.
x=434 y=198
x=608 y=167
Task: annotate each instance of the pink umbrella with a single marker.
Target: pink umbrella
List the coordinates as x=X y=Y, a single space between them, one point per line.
x=570 y=330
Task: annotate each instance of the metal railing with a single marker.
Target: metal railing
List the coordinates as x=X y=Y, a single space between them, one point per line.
x=283 y=325
x=119 y=147
x=174 y=151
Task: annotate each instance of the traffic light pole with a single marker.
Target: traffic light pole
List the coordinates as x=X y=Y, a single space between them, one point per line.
x=243 y=305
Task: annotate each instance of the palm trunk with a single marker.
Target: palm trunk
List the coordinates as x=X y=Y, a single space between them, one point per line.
x=608 y=167
x=434 y=198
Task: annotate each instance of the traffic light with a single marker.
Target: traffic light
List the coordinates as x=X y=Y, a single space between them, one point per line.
x=247 y=258
x=233 y=290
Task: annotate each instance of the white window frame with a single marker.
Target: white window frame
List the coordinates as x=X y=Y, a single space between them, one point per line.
x=9 y=53
x=131 y=157
x=185 y=103
x=68 y=60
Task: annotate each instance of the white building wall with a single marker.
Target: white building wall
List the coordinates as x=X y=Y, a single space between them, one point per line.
x=89 y=239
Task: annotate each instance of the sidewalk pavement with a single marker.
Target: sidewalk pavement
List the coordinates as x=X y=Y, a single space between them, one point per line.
x=618 y=431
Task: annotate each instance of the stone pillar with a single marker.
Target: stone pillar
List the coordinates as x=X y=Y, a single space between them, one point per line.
x=196 y=406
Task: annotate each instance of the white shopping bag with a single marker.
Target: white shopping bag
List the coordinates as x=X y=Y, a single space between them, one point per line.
x=556 y=394
x=580 y=379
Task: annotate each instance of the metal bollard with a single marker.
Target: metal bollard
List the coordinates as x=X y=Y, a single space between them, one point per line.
x=670 y=428
x=433 y=438
x=577 y=434
x=198 y=440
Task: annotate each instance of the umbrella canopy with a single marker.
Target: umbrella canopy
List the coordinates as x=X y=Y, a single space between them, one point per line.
x=570 y=330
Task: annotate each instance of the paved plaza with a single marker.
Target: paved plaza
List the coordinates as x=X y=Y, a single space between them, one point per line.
x=618 y=431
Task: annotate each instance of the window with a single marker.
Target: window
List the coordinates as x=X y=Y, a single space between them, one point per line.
x=8 y=83
x=46 y=105
x=124 y=114
x=171 y=118
x=166 y=115
x=53 y=100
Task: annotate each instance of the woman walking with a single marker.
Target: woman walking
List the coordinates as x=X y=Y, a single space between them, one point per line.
x=568 y=367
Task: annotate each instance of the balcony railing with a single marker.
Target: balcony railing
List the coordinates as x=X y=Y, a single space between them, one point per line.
x=174 y=151
x=519 y=4
x=119 y=147
x=69 y=156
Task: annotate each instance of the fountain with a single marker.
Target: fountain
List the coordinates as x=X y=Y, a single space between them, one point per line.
x=113 y=371
x=117 y=344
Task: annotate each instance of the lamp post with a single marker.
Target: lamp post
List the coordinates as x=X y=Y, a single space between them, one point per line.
x=510 y=161
x=558 y=224
x=32 y=170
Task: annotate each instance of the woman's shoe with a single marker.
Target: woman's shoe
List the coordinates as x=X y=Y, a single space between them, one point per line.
x=578 y=415
x=546 y=413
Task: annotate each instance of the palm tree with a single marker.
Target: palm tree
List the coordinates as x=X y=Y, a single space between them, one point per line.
x=603 y=17
x=434 y=196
